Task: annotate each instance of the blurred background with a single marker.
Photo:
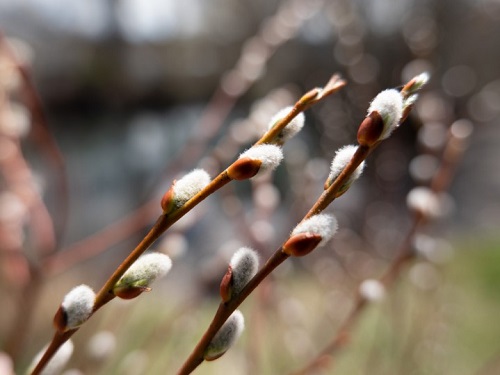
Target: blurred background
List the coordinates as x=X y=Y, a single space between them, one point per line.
x=129 y=94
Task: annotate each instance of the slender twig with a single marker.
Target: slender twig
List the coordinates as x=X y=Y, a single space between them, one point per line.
x=227 y=308
x=43 y=136
x=440 y=182
x=17 y=175
x=100 y=241
x=165 y=220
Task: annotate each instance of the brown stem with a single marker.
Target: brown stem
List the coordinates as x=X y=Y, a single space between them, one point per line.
x=451 y=156
x=105 y=294
x=309 y=99
x=405 y=254
x=330 y=194
x=43 y=136
x=57 y=341
x=226 y=309
x=162 y=224
x=100 y=241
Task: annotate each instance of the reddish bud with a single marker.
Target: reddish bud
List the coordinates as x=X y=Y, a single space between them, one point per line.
x=226 y=285
x=61 y=320
x=130 y=292
x=371 y=129
x=301 y=244
x=167 y=202
x=244 y=168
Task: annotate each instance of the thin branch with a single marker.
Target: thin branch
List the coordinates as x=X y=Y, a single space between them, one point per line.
x=442 y=179
x=165 y=220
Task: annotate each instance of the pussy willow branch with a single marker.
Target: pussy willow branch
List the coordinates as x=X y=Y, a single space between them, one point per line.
x=166 y=220
x=451 y=156
x=225 y=309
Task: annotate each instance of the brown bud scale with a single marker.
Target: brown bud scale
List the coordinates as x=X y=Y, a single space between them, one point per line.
x=371 y=129
x=130 y=292
x=301 y=244
x=167 y=200
x=243 y=169
x=61 y=320
x=226 y=285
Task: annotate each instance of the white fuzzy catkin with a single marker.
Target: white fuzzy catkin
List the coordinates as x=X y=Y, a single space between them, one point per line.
x=269 y=155
x=101 y=345
x=420 y=81
x=226 y=336
x=389 y=105
x=292 y=128
x=324 y=225
x=146 y=269
x=342 y=157
x=244 y=264
x=372 y=290
x=78 y=305
x=58 y=361
x=425 y=201
x=189 y=185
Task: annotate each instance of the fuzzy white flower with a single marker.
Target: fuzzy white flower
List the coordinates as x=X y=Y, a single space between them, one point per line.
x=145 y=270
x=58 y=361
x=188 y=186
x=293 y=126
x=425 y=201
x=77 y=305
x=101 y=345
x=419 y=81
x=342 y=157
x=226 y=336
x=244 y=264
x=372 y=290
x=323 y=225
x=269 y=155
x=389 y=105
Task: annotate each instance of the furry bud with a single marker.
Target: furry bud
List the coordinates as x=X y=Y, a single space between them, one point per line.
x=184 y=189
x=225 y=337
x=389 y=105
x=309 y=234
x=291 y=129
x=255 y=160
x=342 y=157
x=75 y=309
x=141 y=275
